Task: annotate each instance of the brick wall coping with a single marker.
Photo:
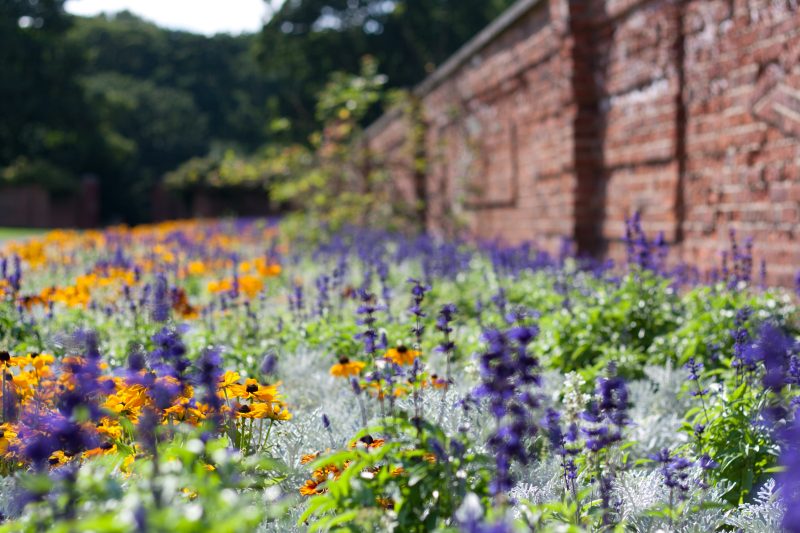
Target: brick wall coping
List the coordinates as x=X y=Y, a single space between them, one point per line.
x=458 y=59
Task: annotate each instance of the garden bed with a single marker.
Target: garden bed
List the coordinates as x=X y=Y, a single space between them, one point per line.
x=216 y=376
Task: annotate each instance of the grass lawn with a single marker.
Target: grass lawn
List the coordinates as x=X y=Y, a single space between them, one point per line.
x=19 y=233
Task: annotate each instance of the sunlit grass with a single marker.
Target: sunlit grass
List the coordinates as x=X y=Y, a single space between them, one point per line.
x=19 y=233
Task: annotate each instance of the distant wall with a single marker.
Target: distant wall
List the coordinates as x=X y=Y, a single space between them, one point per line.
x=32 y=206
x=210 y=203
x=564 y=117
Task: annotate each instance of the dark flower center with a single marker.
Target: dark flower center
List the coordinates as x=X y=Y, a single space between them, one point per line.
x=343 y=360
x=107 y=446
x=34 y=355
x=54 y=460
x=367 y=439
x=252 y=388
x=5 y=357
x=244 y=409
x=402 y=349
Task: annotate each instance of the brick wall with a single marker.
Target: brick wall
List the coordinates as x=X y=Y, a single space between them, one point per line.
x=31 y=206
x=565 y=116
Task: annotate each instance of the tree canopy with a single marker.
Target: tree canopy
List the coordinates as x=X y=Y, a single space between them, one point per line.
x=306 y=40
x=124 y=100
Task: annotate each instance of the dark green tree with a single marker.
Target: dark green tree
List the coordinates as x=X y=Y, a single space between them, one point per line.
x=307 y=40
x=42 y=113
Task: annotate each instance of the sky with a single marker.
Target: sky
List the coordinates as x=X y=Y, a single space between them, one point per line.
x=199 y=16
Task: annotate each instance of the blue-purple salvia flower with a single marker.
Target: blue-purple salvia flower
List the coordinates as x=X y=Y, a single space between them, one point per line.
x=775 y=349
x=607 y=415
x=209 y=372
x=418 y=290
x=323 y=294
x=559 y=444
x=269 y=364
x=161 y=299
x=366 y=312
x=675 y=472
x=507 y=374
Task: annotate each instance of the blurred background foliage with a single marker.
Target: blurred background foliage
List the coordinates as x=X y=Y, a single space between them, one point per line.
x=132 y=104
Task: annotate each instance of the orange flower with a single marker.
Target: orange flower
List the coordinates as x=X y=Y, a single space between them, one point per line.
x=7 y=437
x=250 y=285
x=224 y=285
x=402 y=355
x=279 y=412
x=307 y=458
x=106 y=449
x=309 y=488
x=437 y=382
x=346 y=368
x=196 y=268
x=368 y=442
x=228 y=381
x=252 y=390
x=58 y=458
x=386 y=503
x=256 y=410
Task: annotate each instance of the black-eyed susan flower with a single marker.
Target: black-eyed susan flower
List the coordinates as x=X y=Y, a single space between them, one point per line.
x=368 y=442
x=253 y=390
x=438 y=382
x=346 y=368
x=279 y=412
x=402 y=355
x=8 y=437
x=228 y=380
x=310 y=488
x=107 y=448
x=109 y=428
x=58 y=458
x=307 y=458
x=385 y=503
x=256 y=410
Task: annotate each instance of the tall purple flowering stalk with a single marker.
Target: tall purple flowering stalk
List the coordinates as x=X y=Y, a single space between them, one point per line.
x=209 y=372
x=369 y=336
x=694 y=368
x=366 y=312
x=737 y=263
x=675 y=472
x=508 y=375
x=161 y=299
x=297 y=301
x=742 y=361
x=500 y=301
x=169 y=354
x=563 y=445
x=607 y=416
x=418 y=291
x=338 y=277
x=444 y=324
x=323 y=283
x=641 y=252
